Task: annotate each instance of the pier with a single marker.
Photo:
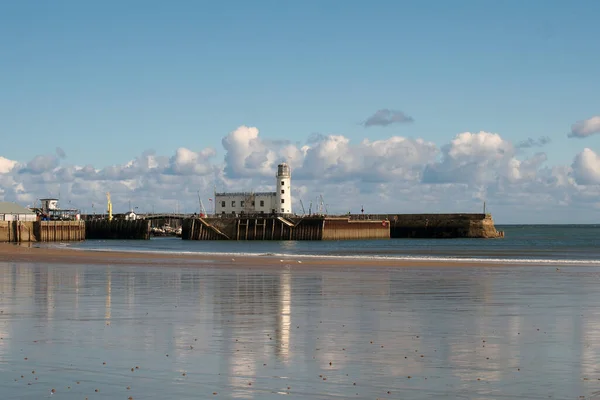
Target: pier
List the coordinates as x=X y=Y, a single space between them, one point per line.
x=295 y=227
x=349 y=227
x=284 y=228
x=439 y=226
x=118 y=229
x=41 y=231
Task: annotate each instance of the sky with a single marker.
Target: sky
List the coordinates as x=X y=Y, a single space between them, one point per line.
x=394 y=106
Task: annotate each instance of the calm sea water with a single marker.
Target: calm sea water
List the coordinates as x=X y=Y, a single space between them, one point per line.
x=572 y=244
x=110 y=332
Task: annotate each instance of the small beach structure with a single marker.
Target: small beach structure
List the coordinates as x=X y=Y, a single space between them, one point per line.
x=130 y=216
x=50 y=211
x=20 y=224
x=14 y=212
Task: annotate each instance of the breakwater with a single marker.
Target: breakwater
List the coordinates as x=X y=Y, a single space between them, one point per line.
x=41 y=231
x=343 y=228
x=350 y=227
x=117 y=229
x=441 y=226
x=283 y=228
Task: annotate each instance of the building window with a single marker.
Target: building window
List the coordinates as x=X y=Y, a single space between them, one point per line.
x=252 y=203
x=282 y=183
x=282 y=210
x=282 y=201
x=223 y=204
x=262 y=203
x=282 y=191
x=242 y=203
x=233 y=203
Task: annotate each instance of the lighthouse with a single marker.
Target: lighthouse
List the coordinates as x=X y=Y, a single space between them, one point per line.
x=284 y=190
x=278 y=202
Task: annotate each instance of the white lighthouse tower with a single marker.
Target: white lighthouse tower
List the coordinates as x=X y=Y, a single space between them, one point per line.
x=284 y=191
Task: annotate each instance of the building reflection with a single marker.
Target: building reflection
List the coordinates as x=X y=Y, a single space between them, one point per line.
x=253 y=325
x=284 y=317
x=254 y=313
x=7 y=293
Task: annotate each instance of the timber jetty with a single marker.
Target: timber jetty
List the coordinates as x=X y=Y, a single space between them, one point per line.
x=348 y=227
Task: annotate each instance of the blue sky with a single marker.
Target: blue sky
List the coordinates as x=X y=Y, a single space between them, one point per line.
x=105 y=81
x=156 y=75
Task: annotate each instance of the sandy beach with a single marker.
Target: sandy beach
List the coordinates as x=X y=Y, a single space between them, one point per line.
x=29 y=253
x=76 y=324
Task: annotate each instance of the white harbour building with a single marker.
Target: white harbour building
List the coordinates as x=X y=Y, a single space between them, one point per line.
x=278 y=202
x=15 y=212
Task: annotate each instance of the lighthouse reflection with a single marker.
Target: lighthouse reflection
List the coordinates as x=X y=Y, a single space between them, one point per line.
x=255 y=332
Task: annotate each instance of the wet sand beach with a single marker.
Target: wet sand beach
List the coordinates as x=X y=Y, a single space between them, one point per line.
x=119 y=325
x=31 y=253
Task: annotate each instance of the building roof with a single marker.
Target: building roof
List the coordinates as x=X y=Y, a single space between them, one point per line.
x=13 y=208
x=247 y=194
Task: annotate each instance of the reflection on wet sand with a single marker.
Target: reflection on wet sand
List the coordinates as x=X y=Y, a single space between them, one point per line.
x=189 y=333
x=284 y=315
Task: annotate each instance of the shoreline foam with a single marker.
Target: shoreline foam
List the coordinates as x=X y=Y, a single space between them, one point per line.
x=69 y=255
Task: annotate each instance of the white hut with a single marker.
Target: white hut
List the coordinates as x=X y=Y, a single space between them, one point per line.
x=15 y=212
x=49 y=205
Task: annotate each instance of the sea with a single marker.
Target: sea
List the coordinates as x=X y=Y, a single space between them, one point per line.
x=527 y=328
x=523 y=244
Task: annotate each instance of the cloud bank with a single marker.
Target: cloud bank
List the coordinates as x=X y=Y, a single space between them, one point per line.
x=396 y=174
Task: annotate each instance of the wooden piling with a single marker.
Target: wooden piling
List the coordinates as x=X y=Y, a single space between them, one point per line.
x=41 y=231
x=118 y=229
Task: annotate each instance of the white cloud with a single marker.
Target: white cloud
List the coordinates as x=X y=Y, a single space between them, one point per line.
x=6 y=165
x=395 y=174
x=478 y=158
x=41 y=163
x=585 y=128
x=188 y=162
x=586 y=167
x=330 y=157
x=247 y=155
x=334 y=157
